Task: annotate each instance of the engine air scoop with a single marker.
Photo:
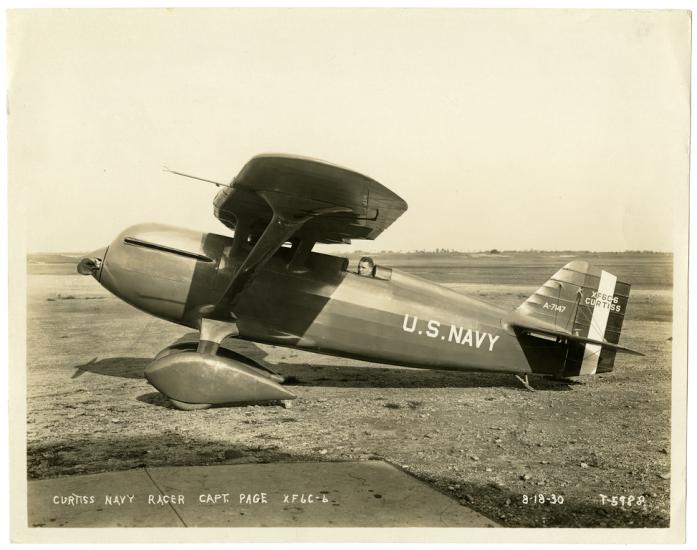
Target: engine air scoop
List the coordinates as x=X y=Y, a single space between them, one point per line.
x=192 y=377
x=92 y=263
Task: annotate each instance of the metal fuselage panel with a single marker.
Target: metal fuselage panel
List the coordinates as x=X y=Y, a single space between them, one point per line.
x=405 y=320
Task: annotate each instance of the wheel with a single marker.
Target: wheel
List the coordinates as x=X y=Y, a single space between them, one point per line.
x=189 y=406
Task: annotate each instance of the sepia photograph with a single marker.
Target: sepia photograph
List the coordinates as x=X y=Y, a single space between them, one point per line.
x=407 y=274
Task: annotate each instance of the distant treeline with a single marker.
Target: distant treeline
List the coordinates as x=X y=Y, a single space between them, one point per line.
x=448 y=251
x=54 y=258
x=69 y=257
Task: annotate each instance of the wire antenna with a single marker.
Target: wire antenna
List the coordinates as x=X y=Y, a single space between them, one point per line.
x=216 y=183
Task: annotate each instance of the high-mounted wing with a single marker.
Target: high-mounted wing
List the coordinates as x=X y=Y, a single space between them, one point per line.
x=275 y=199
x=362 y=207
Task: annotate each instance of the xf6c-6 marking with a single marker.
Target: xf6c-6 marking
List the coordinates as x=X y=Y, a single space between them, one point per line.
x=603 y=300
x=451 y=333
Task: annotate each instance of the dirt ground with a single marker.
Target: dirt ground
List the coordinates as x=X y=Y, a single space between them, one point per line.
x=481 y=438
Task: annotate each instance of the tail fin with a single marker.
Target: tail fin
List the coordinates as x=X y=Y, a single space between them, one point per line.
x=584 y=307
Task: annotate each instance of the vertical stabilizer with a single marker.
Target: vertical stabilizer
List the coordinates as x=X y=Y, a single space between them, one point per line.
x=585 y=303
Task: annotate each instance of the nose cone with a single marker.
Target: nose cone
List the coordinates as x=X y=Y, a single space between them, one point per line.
x=92 y=263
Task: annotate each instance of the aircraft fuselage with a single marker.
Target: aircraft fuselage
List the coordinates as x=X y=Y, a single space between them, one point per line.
x=396 y=318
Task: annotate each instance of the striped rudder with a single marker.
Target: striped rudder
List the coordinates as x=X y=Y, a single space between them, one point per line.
x=585 y=303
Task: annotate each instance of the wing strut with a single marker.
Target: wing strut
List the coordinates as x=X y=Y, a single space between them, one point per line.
x=288 y=217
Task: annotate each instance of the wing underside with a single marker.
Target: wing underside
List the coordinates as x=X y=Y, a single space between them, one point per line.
x=278 y=199
x=357 y=206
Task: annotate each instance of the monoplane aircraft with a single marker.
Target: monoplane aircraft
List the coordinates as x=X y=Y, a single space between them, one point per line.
x=268 y=286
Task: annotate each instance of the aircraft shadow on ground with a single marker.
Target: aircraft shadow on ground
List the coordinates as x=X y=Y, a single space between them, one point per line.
x=336 y=376
x=333 y=376
x=121 y=367
x=66 y=457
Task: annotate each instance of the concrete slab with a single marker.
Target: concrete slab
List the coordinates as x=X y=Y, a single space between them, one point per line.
x=325 y=494
x=84 y=501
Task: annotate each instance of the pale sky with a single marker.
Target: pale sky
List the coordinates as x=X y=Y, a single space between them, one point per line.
x=509 y=129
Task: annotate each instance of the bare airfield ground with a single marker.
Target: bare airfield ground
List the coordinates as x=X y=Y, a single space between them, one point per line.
x=481 y=438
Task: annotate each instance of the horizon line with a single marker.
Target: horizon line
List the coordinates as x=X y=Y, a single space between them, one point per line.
x=492 y=251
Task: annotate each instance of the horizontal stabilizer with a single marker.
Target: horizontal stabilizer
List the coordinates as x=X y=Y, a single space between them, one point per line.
x=540 y=330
